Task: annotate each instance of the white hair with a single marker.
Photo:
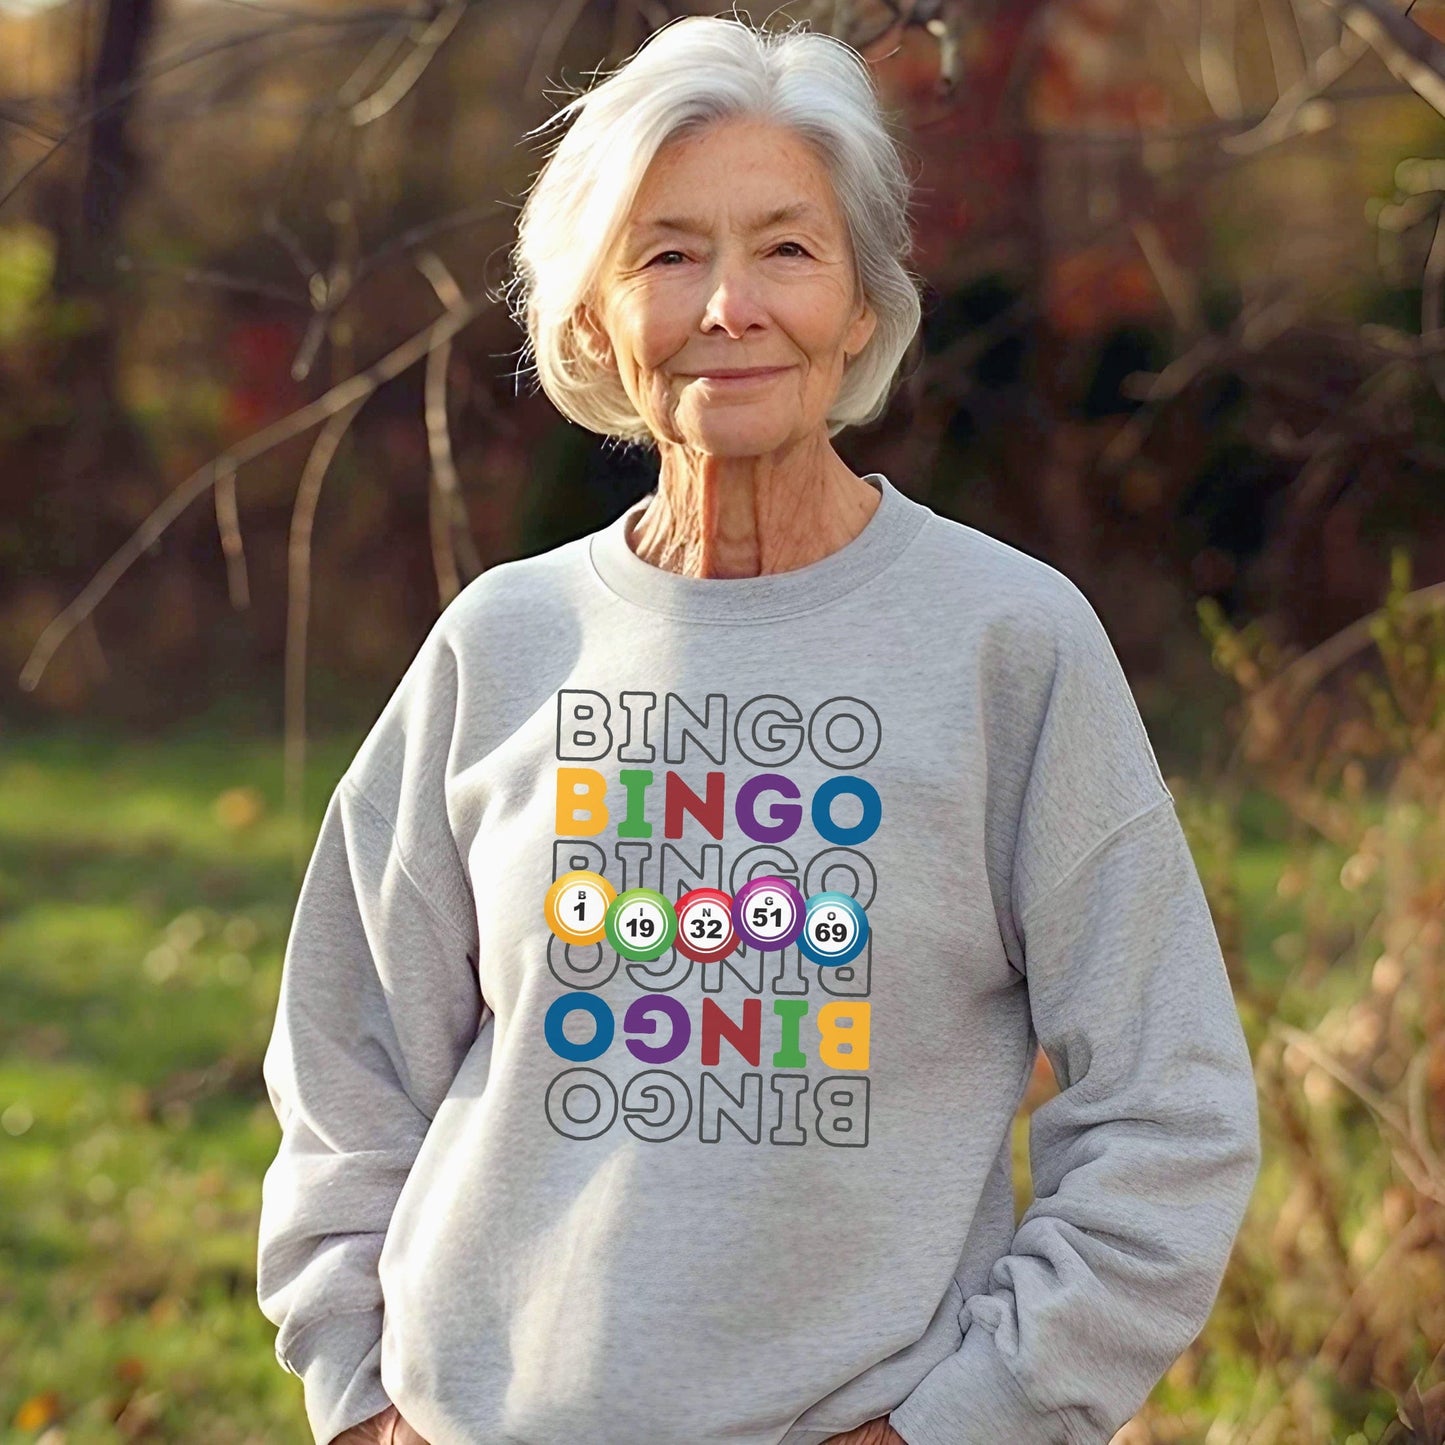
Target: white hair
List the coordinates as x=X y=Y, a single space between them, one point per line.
x=694 y=71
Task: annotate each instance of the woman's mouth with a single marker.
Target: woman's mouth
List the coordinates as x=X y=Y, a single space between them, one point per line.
x=740 y=378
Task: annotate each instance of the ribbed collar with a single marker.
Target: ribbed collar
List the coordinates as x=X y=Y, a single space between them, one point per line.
x=896 y=522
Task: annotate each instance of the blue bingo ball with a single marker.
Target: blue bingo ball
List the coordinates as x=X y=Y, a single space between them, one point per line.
x=835 y=929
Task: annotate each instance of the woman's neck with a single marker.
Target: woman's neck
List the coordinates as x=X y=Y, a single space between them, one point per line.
x=748 y=516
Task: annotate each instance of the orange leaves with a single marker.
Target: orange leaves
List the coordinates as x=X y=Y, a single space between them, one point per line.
x=1095 y=289
x=38 y=1411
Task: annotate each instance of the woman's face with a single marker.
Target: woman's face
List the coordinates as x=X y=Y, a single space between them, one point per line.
x=710 y=274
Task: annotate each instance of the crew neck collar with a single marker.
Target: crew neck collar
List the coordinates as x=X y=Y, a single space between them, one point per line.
x=894 y=524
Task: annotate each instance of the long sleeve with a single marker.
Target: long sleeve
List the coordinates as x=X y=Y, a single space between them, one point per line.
x=379 y=1003
x=1143 y=1164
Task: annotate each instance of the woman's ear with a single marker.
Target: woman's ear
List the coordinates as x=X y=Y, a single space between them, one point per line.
x=592 y=337
x=861 y=329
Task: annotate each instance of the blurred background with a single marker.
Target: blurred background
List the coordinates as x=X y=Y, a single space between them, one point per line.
x=260 y=419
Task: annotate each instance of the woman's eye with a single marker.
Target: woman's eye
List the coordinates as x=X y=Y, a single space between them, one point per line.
x=801 y=250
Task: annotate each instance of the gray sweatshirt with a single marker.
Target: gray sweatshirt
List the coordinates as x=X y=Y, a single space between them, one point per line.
x=541 y=1184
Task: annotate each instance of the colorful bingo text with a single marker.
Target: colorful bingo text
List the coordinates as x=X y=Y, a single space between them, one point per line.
x=609 y=754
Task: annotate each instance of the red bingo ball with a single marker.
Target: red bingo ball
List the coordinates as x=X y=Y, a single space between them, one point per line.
x=705 y=930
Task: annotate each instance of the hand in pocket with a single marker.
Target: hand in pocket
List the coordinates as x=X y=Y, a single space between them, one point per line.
x=402 y=1433
x=870 y=1432
x=386 y=1428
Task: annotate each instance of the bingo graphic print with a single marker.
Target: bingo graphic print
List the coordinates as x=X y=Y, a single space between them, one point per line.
x=689 y=853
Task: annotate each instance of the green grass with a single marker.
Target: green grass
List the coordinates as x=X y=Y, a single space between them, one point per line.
x=141 y=938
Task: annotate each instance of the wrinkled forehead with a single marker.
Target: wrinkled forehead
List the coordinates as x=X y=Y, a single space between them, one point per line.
x=754 y=172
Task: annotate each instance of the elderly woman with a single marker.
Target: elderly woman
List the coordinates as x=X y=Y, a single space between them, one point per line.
x=676 y=950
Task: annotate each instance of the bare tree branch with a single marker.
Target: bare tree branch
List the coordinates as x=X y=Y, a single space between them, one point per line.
x=451 y=532
x=298 y=607
x=120 y=95
x=1294 y=111
x=354 y=388
x=1422 y=1165
x=406 y=75
x=1411 y=54
x=233 y=547
x=554 y=35
x=1430 y=304
x=1217 y=71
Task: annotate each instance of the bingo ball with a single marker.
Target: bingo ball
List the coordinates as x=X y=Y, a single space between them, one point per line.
x=577 y=904
x=705 y=925
x=835 y=929
x=641 y=924
x=768 y=913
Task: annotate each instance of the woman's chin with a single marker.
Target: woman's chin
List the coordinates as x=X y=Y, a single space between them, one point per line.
x=719 y=434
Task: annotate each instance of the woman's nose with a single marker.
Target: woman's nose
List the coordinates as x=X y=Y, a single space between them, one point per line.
x=733 y=302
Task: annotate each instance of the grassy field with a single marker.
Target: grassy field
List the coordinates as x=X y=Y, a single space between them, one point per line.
x=145 y=893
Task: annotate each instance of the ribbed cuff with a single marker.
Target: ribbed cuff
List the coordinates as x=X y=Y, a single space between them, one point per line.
x=339 y=1362
x=972 y=1398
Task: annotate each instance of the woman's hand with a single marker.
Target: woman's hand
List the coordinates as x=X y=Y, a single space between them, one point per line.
x=870 y=1432
x=387 y=1428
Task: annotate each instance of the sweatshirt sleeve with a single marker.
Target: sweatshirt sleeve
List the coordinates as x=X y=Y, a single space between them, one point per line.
x=1144 y=1163
x=378 y=1006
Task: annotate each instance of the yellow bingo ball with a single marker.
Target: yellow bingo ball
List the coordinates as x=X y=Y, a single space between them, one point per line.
x=577 y=905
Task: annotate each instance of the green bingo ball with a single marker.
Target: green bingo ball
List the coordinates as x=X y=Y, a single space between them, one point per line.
x=641 y=924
